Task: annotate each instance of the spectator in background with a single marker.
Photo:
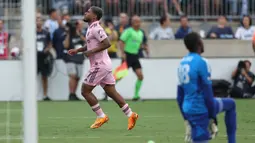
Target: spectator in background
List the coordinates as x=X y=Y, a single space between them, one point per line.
x=4 y=42
x=221 y=31
x=58 y=39
x=124 y=23
x=246 y=30
x=243 y=79
x=113 y=37
x=65 y=18
x=74 y=40
x=52 y=24
x=184 y=28
x=44 y=58
x=164 y=31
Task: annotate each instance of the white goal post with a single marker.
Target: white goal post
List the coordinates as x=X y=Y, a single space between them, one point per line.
x=29 y=71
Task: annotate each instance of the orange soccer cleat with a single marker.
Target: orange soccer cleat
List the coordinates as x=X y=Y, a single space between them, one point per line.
x=132 y=121
x=99 y=122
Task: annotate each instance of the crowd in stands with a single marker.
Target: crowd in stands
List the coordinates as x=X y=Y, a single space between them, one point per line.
x=220 y=31
x=144 y=7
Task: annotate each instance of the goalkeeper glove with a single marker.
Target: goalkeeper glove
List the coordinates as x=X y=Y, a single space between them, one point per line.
x=213 y=128
x=188 y=132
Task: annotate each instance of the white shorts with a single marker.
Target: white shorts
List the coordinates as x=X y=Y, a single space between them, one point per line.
x=74 y=69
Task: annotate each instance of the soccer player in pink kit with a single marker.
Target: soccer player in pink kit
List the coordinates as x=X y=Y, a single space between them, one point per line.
x=100 y=72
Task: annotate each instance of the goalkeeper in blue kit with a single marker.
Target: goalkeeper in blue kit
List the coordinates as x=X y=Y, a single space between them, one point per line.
x=195 y=96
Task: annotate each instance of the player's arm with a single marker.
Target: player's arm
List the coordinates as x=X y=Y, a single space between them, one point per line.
x=101 y=36
x=180 y=98
x=75 y=51
x=205 y=76
x=145 y=44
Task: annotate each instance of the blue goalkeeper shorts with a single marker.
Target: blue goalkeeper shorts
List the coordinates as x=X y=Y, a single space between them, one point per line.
x=199 y=126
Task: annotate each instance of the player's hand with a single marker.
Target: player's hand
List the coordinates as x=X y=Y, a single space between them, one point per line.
x=187 y=138
x=88 y=53
x=72 y=52
x=213 y=129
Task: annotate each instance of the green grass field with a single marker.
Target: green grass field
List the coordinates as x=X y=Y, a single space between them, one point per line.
x=160 y=121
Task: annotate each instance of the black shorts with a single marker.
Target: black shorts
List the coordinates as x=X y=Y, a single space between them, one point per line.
x=44 y=63
x=133 y=61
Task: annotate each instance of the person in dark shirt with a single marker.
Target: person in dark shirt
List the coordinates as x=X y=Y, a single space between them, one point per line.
x=58 y=39
x=221 y=31
x=74 y=40
x=184 y=29
x=243 y=79
x=44 y=58
x=124 y=23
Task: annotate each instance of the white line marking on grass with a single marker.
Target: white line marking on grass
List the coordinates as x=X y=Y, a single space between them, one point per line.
x=4 y=111
x=109 y=137
x=11 y=124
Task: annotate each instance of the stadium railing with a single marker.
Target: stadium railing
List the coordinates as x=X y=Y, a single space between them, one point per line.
x=147 y=9
x=153 y=9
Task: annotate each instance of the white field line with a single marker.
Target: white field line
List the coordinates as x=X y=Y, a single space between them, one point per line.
x=4 y=111
x=108 y=137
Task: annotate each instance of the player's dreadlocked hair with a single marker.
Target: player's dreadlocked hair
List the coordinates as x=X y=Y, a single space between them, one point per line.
x=192 y=41
x=98 y=11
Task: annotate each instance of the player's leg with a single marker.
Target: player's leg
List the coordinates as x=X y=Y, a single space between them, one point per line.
x=73 y=80
x=93 y=78
x=133 y=61
x=199 y=127
x=108 y=85
x=138 y=71
x=228 y=106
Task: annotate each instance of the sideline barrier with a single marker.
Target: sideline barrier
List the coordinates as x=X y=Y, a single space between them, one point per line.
x=213 y=48
x=160 y=79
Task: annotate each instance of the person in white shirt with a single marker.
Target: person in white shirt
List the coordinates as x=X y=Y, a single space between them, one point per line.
x=51 y=24
x=164 y=31
x=246 y=30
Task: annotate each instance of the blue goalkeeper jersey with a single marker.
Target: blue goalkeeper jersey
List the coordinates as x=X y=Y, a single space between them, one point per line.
x=194 y=76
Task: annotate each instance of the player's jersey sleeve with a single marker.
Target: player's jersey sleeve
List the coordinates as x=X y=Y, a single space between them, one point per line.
x=99 y=33
x=125 y=35
x=204 y=72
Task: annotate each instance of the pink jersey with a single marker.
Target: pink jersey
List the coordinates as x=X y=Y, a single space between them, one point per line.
x=95 y=35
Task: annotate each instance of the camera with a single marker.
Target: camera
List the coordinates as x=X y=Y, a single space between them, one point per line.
x=241 y=65
x=71 y=27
